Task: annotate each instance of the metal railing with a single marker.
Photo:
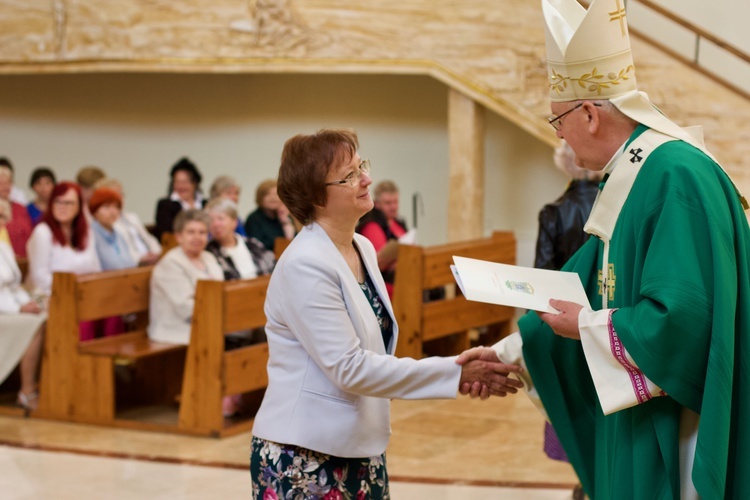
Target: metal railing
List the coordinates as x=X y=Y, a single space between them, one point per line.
x=700 y=36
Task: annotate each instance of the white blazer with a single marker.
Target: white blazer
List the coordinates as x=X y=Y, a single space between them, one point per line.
x=173 y=283
x=330 y=378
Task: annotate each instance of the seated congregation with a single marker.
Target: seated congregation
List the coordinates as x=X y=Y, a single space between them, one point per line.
x=162 y=328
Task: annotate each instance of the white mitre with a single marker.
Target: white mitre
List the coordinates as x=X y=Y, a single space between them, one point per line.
x=589 y=58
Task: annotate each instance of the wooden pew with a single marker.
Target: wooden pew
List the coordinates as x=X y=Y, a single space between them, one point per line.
x=444 y=323
x=168 y=242
x=279 y=245
x=78 y=380
x=211 y=372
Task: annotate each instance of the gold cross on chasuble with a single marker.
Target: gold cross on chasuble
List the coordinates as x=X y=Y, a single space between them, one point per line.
x=618 y=15
x=607 y=285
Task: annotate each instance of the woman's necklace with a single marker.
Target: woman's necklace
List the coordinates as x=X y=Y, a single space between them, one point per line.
x=357 y=263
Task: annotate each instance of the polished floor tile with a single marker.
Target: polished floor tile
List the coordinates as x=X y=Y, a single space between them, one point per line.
x=440 y=450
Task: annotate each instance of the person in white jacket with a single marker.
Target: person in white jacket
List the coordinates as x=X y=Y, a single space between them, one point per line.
x=21 y=322
x=325 y=416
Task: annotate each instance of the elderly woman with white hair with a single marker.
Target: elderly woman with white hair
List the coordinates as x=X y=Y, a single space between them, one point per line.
x=238 y=257
x=21 y=322
x=175 y=277
x=226 y=187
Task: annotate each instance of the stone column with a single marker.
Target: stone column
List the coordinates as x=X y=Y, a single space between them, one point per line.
x=466 y=189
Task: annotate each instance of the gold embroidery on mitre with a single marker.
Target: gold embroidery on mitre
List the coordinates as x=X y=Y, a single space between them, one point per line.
x=593 y=81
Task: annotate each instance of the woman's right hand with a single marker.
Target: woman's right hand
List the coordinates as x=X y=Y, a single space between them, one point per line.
x=31 y=308
x=482 y=371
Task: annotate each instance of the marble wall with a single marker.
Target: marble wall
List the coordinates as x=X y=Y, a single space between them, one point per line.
x=492 y=51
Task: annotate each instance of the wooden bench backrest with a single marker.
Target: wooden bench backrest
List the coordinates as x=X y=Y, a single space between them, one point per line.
x=279 y=245
x=210 y=372
x=113 y=293
x=71 y=384
x=168 y=242
x=421 y=269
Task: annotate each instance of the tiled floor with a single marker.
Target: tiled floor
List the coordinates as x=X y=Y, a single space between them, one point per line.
x=440 y=450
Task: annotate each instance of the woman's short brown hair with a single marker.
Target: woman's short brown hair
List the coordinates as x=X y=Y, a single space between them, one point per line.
x=305 y=163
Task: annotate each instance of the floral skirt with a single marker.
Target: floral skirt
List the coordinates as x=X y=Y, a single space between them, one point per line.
x=288 y=472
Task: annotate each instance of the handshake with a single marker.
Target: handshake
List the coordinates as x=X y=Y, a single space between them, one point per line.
x=484 y=375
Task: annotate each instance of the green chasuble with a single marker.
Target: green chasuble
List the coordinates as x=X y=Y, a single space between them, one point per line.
x=680 y=290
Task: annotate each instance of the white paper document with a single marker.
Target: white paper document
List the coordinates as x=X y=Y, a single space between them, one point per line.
x=516 y=286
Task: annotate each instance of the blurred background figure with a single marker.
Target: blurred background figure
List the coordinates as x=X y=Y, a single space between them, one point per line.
x=184 y=193
x=271 y=219
x=63 y=241
x=105 y=205
x=87 y=177
x=21 y=323
x=42 y=182
x=175 y=277
x=383 y=228
x=238 y=257
x=18 y=228
x=561 y=222
x=142 y=245
x=560 y=236
x=17 y=194
x=226 y=187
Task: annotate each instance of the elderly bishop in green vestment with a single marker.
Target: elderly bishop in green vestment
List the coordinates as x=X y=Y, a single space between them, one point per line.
x=649 y=392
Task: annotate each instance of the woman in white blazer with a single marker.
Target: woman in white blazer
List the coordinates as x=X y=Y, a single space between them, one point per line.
x=175 y=277
x=21 y=322
x=324 y=423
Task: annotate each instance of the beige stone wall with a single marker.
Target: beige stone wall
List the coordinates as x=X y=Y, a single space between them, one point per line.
x=491 y=51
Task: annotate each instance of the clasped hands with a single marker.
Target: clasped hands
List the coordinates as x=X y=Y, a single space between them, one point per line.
x=484 y=375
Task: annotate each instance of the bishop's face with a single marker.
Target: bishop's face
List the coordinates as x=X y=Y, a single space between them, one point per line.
x=575 y=127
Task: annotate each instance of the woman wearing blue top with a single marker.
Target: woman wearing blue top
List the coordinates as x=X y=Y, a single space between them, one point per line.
x=105 y=205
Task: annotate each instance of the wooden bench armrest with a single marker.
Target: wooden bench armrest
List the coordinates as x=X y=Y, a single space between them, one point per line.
x=127 y=346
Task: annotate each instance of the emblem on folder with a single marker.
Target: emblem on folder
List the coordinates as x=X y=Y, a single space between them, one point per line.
x=520 y=286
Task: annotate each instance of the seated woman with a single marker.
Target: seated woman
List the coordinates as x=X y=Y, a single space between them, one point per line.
x=227 y=188
x=271 y=219
x=21 y=323
x=104 y=206
x=63 y=241
x=184 y=193
x=142 y=245
x=239 y=257
x=175 y=277
x=42 y=183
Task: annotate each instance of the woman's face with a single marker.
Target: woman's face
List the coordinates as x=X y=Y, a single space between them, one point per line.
x=349 y=202
x=183 y=185
x=4 y=216
x=107 y=215
x=193 y=238
x=6 y=185
x=231 y=193
x=222 y=226
x=271 y=201
x=66 y=207
x=43 y=188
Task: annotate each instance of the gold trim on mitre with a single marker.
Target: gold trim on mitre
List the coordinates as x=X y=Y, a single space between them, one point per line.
x=588 y=51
